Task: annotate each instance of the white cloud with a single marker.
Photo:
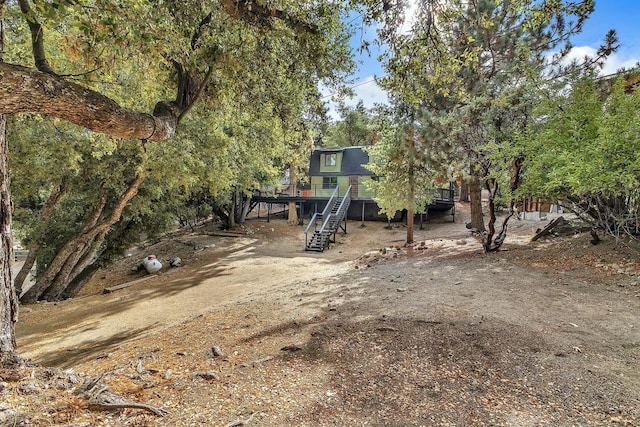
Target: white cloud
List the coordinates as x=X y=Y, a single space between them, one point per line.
x=366 y=91
x=613 y=63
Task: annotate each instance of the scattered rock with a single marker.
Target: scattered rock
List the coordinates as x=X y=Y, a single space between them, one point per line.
x=256 y=362
x=217 y=351
x=8 y=415
x=292 y=348
x=175 y=262
x=29 y=388
x=208 y=375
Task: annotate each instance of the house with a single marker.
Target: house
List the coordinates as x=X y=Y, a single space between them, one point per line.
x=343 y=168
x=339 y=167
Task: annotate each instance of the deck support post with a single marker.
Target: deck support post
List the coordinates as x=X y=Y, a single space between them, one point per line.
x=269 y=212
x=301 y=211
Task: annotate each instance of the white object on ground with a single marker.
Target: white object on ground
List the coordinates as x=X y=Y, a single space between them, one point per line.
x=151 y=264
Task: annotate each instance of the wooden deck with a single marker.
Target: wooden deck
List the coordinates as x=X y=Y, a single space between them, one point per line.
x=360 y=209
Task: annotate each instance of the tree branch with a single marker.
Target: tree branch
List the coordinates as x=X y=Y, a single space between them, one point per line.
x=253 y=13
x=24 y=90
x=197 y=95
x=37 y=39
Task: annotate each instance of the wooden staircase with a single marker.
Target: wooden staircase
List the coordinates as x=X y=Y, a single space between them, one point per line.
x=334 y=213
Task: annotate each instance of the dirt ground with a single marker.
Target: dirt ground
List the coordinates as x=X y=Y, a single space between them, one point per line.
x=255 y=331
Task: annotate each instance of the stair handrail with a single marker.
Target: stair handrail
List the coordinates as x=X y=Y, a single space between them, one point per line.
x=347 y=195
x=314 y=218
x=331 y=202
x=347 y=198
x=327 y=208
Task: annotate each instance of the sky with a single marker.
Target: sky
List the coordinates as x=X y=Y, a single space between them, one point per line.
x=621 y=15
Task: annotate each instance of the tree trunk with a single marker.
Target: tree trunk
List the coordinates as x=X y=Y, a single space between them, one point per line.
x=57 y=288
x=231 y=223
x=293 y=212
x=244 y=208
x=47 y=277
x=26 y=267
x=51 y=290
x=464 y=191
x=411 y=202
x=9 y=304
x=34 y=248
x=492 y=187
x=88 y=258
x=26 y=90
x=475 y=193
x=8 y=297
x=80 y=280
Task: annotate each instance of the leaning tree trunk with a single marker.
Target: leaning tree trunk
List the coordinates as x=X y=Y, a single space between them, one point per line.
x=34 y=248
x=475 y=193
x=87 y=260
x=32 y=255
x=49 y=274
x=56 y=289
x=47 y=286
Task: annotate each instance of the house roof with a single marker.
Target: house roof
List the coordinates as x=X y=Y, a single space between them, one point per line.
x=353 y=161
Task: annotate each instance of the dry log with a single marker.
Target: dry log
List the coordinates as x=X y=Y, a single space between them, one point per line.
x=227 y=233
x=126 y=285
x=101 y=399
x=548 y=228
x=110 y=401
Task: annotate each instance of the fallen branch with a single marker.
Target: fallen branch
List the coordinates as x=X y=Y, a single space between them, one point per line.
x=126 y=285
x=111 y=401
x=548 y=228
x=101 y=399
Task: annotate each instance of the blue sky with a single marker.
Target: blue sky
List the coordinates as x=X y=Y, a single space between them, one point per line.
x=621 y=15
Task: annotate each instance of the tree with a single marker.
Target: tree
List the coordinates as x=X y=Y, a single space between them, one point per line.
x=399 y=160
x=354 y=128
x=9 y=300
x=584 y=152
x=464 y=62
x=193 y=44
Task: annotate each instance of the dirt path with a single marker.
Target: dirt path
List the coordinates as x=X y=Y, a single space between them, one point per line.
x=235 y=268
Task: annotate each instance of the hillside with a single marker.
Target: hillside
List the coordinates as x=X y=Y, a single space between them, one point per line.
x=254 y=331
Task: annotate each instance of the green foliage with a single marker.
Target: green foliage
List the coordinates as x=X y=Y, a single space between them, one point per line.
x=398 y=159
x=247 y=128
x=354 y=128
x=586 y=143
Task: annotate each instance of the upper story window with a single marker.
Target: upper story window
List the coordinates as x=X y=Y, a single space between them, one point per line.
x=330 y=159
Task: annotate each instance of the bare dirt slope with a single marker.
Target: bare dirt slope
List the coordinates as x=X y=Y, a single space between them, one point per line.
x=544 y=334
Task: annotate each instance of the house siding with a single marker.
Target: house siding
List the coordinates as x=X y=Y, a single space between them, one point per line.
x=330 y=169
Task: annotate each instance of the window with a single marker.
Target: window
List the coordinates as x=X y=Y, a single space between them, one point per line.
x=329 y=182
x=330 y=159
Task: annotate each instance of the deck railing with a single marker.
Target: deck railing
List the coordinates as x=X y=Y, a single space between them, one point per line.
x=358 y=191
